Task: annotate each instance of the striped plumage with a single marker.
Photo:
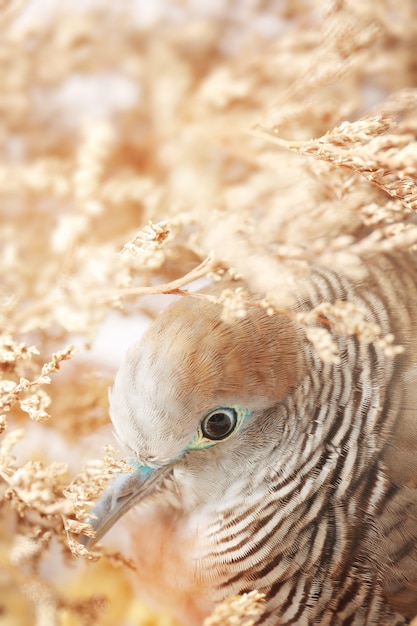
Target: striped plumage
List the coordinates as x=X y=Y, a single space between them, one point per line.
x=312 y=499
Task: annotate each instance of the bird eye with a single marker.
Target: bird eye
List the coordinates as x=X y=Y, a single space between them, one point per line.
x=219 y=423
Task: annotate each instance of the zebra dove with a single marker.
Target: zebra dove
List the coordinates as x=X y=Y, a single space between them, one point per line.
x=293 y=476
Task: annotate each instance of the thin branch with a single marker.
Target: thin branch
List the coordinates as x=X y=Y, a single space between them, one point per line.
x=174 y=287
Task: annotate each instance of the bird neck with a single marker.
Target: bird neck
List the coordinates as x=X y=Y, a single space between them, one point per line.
x=304 y=498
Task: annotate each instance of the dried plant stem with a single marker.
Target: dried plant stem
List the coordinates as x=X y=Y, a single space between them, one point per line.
x=174 y=287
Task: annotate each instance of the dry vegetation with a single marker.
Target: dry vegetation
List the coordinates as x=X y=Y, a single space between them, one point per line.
x=138 y=155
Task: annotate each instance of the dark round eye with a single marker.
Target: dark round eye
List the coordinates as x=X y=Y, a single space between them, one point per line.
x=219 y=424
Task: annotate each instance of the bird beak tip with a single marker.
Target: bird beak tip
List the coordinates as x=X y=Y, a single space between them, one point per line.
x=123 y=493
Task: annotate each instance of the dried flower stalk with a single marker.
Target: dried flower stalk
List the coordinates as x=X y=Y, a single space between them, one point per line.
x=143 y=145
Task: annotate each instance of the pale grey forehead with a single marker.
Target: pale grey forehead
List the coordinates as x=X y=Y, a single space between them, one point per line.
x=149 y=411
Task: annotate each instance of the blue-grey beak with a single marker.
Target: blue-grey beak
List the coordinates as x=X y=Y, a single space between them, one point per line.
x=123 y=493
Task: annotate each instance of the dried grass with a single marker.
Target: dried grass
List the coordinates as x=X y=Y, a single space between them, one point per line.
x=138 y=157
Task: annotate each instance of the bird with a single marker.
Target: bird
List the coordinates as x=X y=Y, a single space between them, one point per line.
x=280 y=471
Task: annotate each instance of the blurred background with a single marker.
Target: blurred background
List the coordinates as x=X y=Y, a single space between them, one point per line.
x=136 y=139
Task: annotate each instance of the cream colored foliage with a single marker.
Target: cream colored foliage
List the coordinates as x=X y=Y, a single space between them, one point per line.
x=139 y=156
x=237 y=610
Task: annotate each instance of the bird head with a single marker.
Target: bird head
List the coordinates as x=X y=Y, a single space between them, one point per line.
x=192 y=396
